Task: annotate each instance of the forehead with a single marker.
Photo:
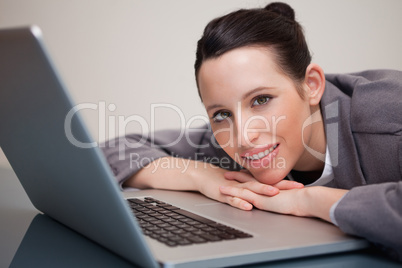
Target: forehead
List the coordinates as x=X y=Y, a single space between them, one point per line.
x=237 y=71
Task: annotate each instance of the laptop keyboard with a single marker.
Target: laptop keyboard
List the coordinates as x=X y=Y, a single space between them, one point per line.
x=174 y=226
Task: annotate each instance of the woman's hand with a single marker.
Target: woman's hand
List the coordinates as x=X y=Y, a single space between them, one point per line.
x=249 y=192
x=242 y=180
x=309 y=202
x=210 y=179
x=286 y=202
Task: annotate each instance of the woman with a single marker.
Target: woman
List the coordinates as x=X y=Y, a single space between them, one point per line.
x=282 y=124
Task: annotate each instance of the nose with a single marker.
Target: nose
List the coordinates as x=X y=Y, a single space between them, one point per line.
x=249 y=128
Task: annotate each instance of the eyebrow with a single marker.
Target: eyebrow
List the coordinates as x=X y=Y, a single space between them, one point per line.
x=245 y=96
x=251 y=92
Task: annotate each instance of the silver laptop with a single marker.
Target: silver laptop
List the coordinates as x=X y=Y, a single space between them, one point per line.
x=76 y=187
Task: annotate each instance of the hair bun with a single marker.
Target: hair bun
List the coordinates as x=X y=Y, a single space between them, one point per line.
x=281 y=9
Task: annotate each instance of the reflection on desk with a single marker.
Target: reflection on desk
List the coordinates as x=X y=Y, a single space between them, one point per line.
x=50 y=244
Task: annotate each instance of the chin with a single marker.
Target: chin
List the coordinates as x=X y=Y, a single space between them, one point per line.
x=269 y=176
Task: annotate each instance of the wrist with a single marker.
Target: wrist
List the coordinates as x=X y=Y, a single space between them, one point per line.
x=317 y=201
x=202 y=173
x=303 y=202
x=194 y=178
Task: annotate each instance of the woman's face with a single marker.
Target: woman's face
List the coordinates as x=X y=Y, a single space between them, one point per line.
x=256 y=113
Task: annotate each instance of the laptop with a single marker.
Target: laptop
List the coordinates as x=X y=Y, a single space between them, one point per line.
x=75 y=186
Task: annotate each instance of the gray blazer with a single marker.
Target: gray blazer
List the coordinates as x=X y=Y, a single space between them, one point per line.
x=362 y=114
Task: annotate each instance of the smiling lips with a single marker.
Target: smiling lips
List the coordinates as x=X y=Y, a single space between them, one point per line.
x=261 y=154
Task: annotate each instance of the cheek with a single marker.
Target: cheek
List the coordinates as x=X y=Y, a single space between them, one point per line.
x=224 y=135
x=290 y=122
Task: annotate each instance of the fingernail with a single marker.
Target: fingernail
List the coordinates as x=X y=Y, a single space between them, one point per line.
x=271 y=188
x=298 y=184
x=247 y=206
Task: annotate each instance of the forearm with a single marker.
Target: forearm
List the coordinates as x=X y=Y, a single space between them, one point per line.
x=129 y=155
x=171 y=173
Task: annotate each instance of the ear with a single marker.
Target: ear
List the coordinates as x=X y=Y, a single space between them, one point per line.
x=315 y=83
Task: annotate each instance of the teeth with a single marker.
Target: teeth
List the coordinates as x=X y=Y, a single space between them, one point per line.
x=262 y=154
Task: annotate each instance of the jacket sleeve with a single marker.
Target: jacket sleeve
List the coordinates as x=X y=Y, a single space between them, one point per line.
x=375 y=213
x=128 y=154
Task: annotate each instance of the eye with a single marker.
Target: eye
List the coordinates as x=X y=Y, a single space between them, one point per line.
x=220 y=116
x=260 y=100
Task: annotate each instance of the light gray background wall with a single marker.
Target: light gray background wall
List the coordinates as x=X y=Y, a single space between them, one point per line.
x=132 y=53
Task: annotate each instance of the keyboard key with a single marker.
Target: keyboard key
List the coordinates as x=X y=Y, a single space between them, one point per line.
x=197 y=239
x=193 y=216
x=210 y=237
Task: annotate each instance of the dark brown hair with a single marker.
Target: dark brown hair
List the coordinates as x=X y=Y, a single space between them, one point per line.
x=273 y=27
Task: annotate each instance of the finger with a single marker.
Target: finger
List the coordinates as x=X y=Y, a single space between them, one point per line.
x=238 y=176
x=260 y=188
x=238 y=203
x=235 y=194
x=287 y=185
